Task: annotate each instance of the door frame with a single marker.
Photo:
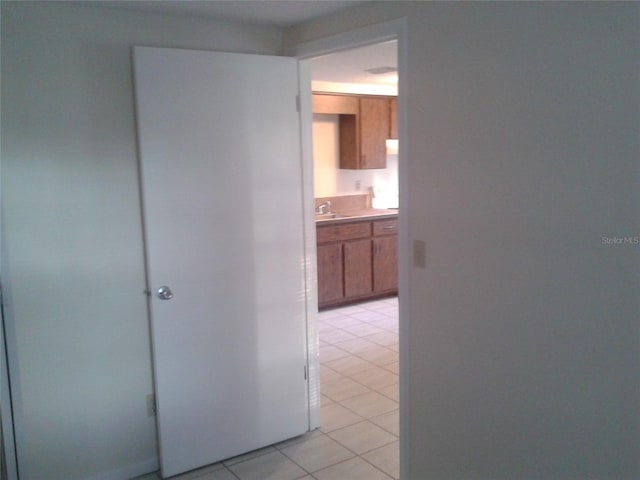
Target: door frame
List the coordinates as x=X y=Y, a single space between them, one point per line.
x=9 y=464
x=304 y=52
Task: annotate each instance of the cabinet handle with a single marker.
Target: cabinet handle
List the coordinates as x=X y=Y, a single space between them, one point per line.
x=389 y=227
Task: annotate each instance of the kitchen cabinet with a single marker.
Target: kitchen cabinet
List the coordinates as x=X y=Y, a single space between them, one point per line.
x=393 y=118
x=335 y=104
x=357 y=268
x=385 y=255
x=365 y=123
x=357 y=261
x=330 y=273
x=371 y=132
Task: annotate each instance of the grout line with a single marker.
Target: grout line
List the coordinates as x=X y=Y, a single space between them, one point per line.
x=232 y=473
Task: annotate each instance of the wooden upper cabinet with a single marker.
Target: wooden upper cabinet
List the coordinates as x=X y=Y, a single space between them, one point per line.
x=335 y=104
x=393 y=118
x=365 y=122
x=374 y=131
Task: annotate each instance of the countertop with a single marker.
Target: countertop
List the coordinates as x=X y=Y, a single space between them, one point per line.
x=356 y=215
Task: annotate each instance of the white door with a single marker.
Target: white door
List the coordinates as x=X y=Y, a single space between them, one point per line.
x=222 y=193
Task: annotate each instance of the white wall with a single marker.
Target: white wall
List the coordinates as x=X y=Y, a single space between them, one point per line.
x=523 y=147
x=330 y=180
x=73 y=267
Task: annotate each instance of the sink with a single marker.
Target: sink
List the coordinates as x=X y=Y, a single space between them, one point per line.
x=329 y=216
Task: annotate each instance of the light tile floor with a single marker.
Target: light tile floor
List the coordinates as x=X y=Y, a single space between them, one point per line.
x=358 y=436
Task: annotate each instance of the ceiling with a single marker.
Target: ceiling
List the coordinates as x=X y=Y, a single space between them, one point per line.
x=346 y=67
x=350 y=67
x=275 y=13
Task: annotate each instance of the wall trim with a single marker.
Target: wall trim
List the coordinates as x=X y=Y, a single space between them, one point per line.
x=360 y=37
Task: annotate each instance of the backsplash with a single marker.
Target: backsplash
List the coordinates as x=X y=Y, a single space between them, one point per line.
x=346 y=203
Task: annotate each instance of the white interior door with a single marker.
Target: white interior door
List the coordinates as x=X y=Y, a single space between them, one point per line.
x=222 y=193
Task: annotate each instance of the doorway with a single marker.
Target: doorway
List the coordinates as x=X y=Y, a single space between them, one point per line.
x=358 y=337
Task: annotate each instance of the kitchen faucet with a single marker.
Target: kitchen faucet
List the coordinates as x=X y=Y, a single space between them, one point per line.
x=320 y=208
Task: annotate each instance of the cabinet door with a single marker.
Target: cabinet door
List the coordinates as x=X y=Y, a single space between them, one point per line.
x=357 y=268
x=374 y=130
x=330 y=279
x=393 y=118
x=385 y=263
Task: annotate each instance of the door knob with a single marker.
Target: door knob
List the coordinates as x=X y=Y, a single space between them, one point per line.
x=165 y=293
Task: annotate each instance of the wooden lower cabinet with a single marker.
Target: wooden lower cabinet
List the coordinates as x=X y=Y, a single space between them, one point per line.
x=357 y=268
x=385 y=263
x=357 y=261
x=330 y=273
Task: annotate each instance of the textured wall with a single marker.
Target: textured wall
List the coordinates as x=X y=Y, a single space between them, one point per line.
x=73 y=266
x=522 y=154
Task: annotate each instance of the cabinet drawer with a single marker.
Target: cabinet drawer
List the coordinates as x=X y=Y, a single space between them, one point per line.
x=385 y=227
x=335 y=233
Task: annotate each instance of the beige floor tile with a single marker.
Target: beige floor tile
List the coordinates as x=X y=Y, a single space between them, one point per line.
x=248 y=456
x=302 y=438
x=370 y=404
x=363 y=437
x=391 y=392
x=223 y=474
x=329 y=375
x=378 y=355
x=200 y=472
x=317 y=453
x=349 y=365
x=374 y=378
x=394 y=346
x=330 y=352
x=324 y=315
x=336 y=416
x=272 y=466
x=326 y=328
x=392 y=328
x=363 y=329
x=368 y=316
x=389 y=421
x=343 y=389
x=337 y=335
x=384 y=338
x=386 y=323
x=357 y=345
x=393 y=367
x=352 y=309
x=391 y=310
x=324 y=400
x=386 y=458
x=353 y=469
x=344 y=321
x=376 y=305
